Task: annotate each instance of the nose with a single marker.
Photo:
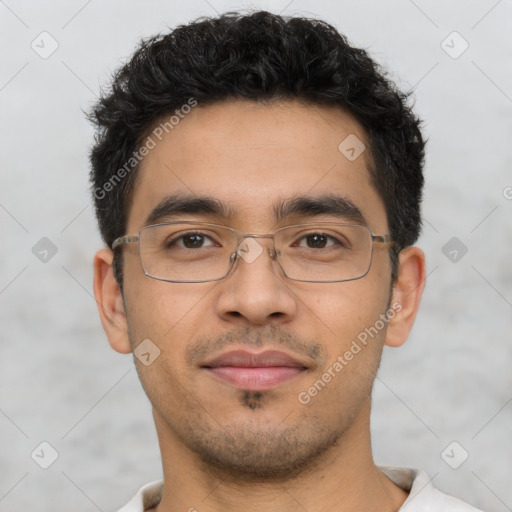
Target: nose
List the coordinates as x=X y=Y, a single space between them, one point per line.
x=255 y=291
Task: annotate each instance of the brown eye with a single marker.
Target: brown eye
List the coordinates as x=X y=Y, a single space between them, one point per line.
x=190 y=241
x=317 y=241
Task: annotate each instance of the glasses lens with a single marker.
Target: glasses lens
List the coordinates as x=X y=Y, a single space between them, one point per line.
x=324 y=252
x=194 y=252
x=186 y=252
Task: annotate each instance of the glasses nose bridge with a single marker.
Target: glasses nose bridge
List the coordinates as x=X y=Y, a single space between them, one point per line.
x=271 y=250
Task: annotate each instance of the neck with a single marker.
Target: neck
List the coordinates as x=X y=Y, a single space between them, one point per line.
x=343 y=479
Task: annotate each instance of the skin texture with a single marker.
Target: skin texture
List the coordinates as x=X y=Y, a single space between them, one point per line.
x=224 y=448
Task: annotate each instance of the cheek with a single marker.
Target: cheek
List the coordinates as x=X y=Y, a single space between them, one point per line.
x=346 y=326
x=345 y=309
x=348 y=323
x=163 y=311
x=168 y=315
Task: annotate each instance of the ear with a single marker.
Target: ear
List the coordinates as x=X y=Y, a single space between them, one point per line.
x=406 y=293
x=110 y=302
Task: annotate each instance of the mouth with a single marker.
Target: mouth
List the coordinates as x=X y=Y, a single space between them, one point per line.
x=255 y=371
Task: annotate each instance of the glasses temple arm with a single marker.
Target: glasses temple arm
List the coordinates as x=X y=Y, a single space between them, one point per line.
x=128 y=239
x=383 y=239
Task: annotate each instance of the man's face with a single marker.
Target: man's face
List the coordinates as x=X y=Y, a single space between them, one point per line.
x=250 y=157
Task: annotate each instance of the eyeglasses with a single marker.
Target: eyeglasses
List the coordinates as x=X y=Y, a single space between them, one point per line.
x=196 y=252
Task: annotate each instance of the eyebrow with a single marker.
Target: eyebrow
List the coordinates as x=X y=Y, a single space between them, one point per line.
x=334 y=205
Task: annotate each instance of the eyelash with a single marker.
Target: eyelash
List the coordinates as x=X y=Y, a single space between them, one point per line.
x=174 y=241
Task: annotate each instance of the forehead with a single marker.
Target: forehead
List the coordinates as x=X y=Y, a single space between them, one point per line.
x=252 y=157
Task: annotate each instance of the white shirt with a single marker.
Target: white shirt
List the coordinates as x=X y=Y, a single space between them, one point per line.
x=423 y=496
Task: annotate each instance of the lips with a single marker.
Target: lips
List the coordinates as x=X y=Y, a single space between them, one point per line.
x=255 y=371
x=245 y=359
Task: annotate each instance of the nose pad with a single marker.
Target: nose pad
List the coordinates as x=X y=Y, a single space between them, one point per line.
x=241 y=252
x=250 y=251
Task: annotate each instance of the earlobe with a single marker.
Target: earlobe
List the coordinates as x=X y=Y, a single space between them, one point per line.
x=110 y=302
x=407 y=293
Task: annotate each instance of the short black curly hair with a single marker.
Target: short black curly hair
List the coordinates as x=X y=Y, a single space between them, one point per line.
x=256 y=56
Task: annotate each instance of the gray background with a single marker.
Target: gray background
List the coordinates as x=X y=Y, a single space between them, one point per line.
x=59 y=380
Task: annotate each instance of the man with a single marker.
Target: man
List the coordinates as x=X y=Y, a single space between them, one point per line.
x=258 y=183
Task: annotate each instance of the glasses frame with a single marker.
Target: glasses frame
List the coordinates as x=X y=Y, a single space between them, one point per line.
x=235 y=256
